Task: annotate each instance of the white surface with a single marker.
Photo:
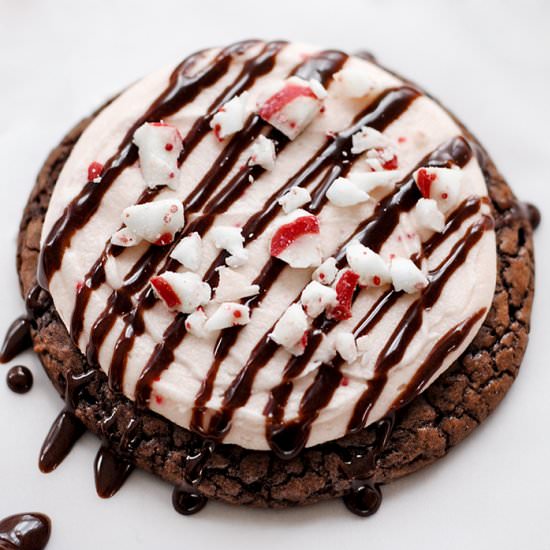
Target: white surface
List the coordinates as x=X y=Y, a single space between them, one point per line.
x=488 y=61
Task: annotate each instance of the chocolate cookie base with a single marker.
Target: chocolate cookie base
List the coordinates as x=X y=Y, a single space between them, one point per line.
x=425 y=430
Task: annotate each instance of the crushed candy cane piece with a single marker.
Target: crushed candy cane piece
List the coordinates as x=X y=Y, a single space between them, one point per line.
x=369 y=265
x=231 y=239
x=346 y=346
x=316 y=298
x=262 y=153
x=231 y=117
x=368 y=138
x=345 y=288
x=343 y=192
x=353 y=82
x=292 y=107
x=194 y=324
x=440 y=184
x=297 y=241
x=183 y=292
x=156 y=222
x=428 y=216
x=125 y=237
x=326 y=272
x=159 y=146
x=406 y=276
x=188 y=252
x=290 y=328
x=294 y=198
x=369 y=181
x=229 y=314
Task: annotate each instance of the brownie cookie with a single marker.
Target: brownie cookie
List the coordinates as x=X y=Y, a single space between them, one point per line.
x=421 y=431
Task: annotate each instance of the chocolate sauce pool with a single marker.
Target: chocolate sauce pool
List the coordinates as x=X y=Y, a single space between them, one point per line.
x=25 y=532
x=19 y=379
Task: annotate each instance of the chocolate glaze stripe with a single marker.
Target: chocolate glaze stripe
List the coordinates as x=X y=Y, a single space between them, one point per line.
x=395 y=348
x=252 y=69
x=449 y=342
x=383 y=222
x=337 y=156
x=320 y=66
x=181 y=90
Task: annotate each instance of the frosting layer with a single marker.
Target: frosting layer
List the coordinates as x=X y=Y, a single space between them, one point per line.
x=239 y=384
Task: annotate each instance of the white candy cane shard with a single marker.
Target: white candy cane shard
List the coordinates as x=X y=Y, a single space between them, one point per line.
x=318 y=89
x=156 y=222
x=440 y=184
x=194 y=324
x=294 y=198
x=406 y=276
x=369 y=181
x=228 y=315
x=353 y=82
x=297 y=240
x=343 y=192
x=233 y=286
x=262 y=153
x=369 y=265
x=290 y=328
x=231 y=117
x=346 y=346
x=159 y=147
x=188 y=252
x=326 y=272
x=428 y=216
x=231 y=239
x=292 y=107
x=368 y=138
x=183 y=292
x=316 y=298
x=125 y=237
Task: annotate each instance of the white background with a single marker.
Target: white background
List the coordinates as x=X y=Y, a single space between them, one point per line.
x=489 y=61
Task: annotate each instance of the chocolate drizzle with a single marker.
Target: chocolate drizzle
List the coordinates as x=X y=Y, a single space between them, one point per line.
x=533 y=214
x=111 y=471
x=186 y=498
x=67 y=428
x=25 y=532
x=17 y=339
x=19 y=379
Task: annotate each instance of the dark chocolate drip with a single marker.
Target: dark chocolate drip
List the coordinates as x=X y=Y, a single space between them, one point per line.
x=533 y=214
x=365 y=496
x=25 y=532
x=64 y=433
x=181 y=90
x=405 y=331
x=322 y=66
x=445 y=346
x=19 y=379
x=67 y=428
x=111 y=471
x=186 y=498
x=17 y=339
